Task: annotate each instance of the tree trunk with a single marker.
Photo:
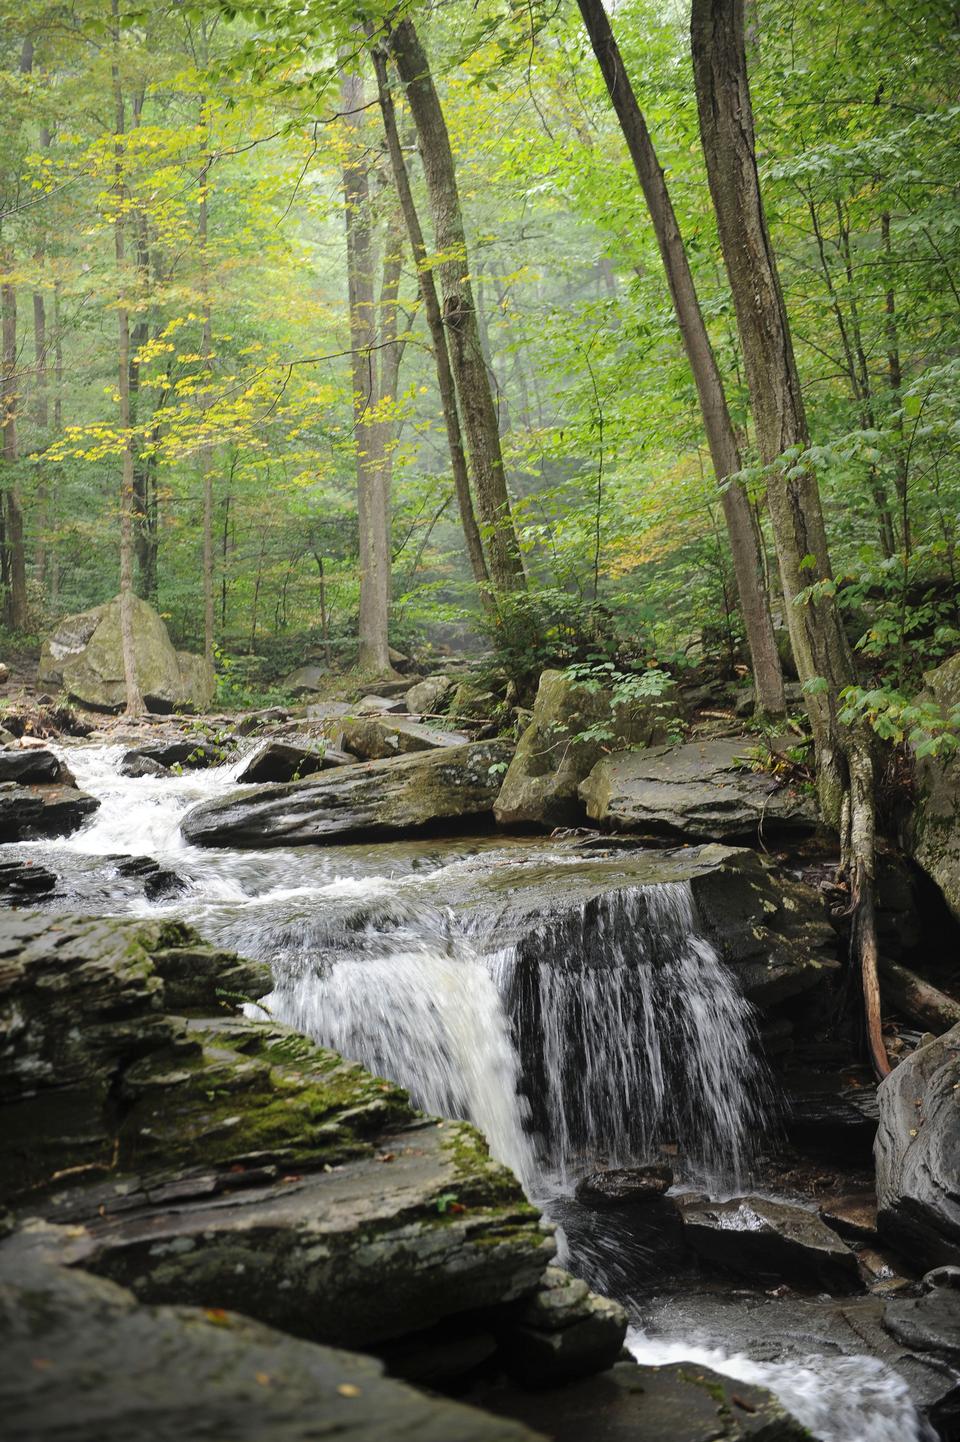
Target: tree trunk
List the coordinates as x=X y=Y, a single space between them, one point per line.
x=41 y=416
x=459 y=315
x=372 y=502
x=135 y=706
x=206 y=354
x=15 y=607
x=431 y=305
x=844 y=762
x=742 y=529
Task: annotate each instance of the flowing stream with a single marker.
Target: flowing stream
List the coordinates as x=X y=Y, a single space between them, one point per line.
x=590 y=1038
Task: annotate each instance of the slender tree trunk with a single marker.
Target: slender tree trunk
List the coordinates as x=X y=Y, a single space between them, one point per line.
x=742 y=529
x=16 y=597
x=477 y=409
x=41 y=416
x=844 y=760
x=206 y=448
x=372 y=502
x=895 y=378
x=135 y=706
x=431 y=306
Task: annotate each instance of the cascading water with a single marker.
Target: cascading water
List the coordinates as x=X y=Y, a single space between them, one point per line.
x=602 y=1032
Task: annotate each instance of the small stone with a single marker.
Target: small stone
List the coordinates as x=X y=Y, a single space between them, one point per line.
x=624 y=1186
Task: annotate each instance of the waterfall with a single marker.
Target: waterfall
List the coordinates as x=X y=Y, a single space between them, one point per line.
x=639 y=1038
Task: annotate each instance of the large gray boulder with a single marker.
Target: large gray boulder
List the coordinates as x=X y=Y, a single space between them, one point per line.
x=704 y=790
x=935 y=839
x=761 y=1237
x=574 y=723
x=84 y=657
x=379 y=799
x=30 y=812
x=918 y=1152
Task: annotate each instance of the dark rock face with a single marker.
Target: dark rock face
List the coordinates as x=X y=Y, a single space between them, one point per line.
x=188 y=754
x=157 y=880
x=380 y=799
x=918 y=1152
x=135 y=764
x=701 y=790
x=25 y=879
x=755 y=1236
x=936 y=818
x=194 y=1374
x=32 y=765
x=289 y=760
x=28 y=812
x=624 y=1186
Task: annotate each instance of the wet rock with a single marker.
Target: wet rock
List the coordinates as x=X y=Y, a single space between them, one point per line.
x=759 y=1237
x=373 y=739
x=555 y=753
x=935 y=820
x=290 y=760
x=948 y=1276
x=157 y=880
x=379 y=799
x=31 y=812
x=563 y=1332
x=84 y=657
x=135 y=764
x=188 y=754
x=32 y=765
x=427 y=697
x=624 y=1186
x=828 y=1117
x=929 y=1325
x=918 y=1152
x=25 y=879
x=685 y=1402
x=853 y=1216
x=107 y=1363
x=701 y=790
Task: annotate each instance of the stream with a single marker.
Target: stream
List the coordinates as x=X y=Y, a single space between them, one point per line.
x=375 y=952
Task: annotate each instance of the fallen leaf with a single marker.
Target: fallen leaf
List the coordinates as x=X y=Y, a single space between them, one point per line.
x=347 y=1389
x=263 y=1378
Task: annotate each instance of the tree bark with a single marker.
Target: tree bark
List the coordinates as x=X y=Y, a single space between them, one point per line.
x=431 y=306
x=15 y=607
x=845 y=775
x=135 y=706
x=742 y=529
x=372 y=501
x=206 y=354
x=919 y=1001
x=477 y=409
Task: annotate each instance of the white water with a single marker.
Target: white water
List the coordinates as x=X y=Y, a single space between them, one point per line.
x=838 y=1399
x=641 y=1031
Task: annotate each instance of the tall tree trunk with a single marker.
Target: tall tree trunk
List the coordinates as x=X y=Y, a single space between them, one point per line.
x=206 y=354
x=477 y=409
x=15 y=607
x=135 y=706
x=844 y=756
x=431 y=305
x=895 y=379
x=372 y=501
x=742 y=529
x=41 y=416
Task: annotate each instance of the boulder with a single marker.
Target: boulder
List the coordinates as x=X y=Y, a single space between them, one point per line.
x=290 y=760
x=136 y=764
x=380 y=705
x=935 y=819
x=32 y=765
x=624 y=1186
x=372 y=738
x=427 y=696
x=188 y=754
x=308 y=678
x=85 y=659
x=28 y=813
x=83 y=1360
x=389 y=798
x=703 y=789
x=759 y=1237
x=158 y=881
x=563 y=1332
x=25 y=879
x=574 y=723
x=918 y=1152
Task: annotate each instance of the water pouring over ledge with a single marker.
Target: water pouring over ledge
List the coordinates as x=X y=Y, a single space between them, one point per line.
x=535 y=1039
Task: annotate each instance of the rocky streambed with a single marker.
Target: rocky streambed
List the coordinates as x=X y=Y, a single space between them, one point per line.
x=564 y=1011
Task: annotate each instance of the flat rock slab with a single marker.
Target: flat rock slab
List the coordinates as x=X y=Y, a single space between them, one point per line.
x=759 y=1237
x=703 y=790
x=32 y=765
x=82 y=1360
x=290 y=760
x=379 y=799
x=685 y=1402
